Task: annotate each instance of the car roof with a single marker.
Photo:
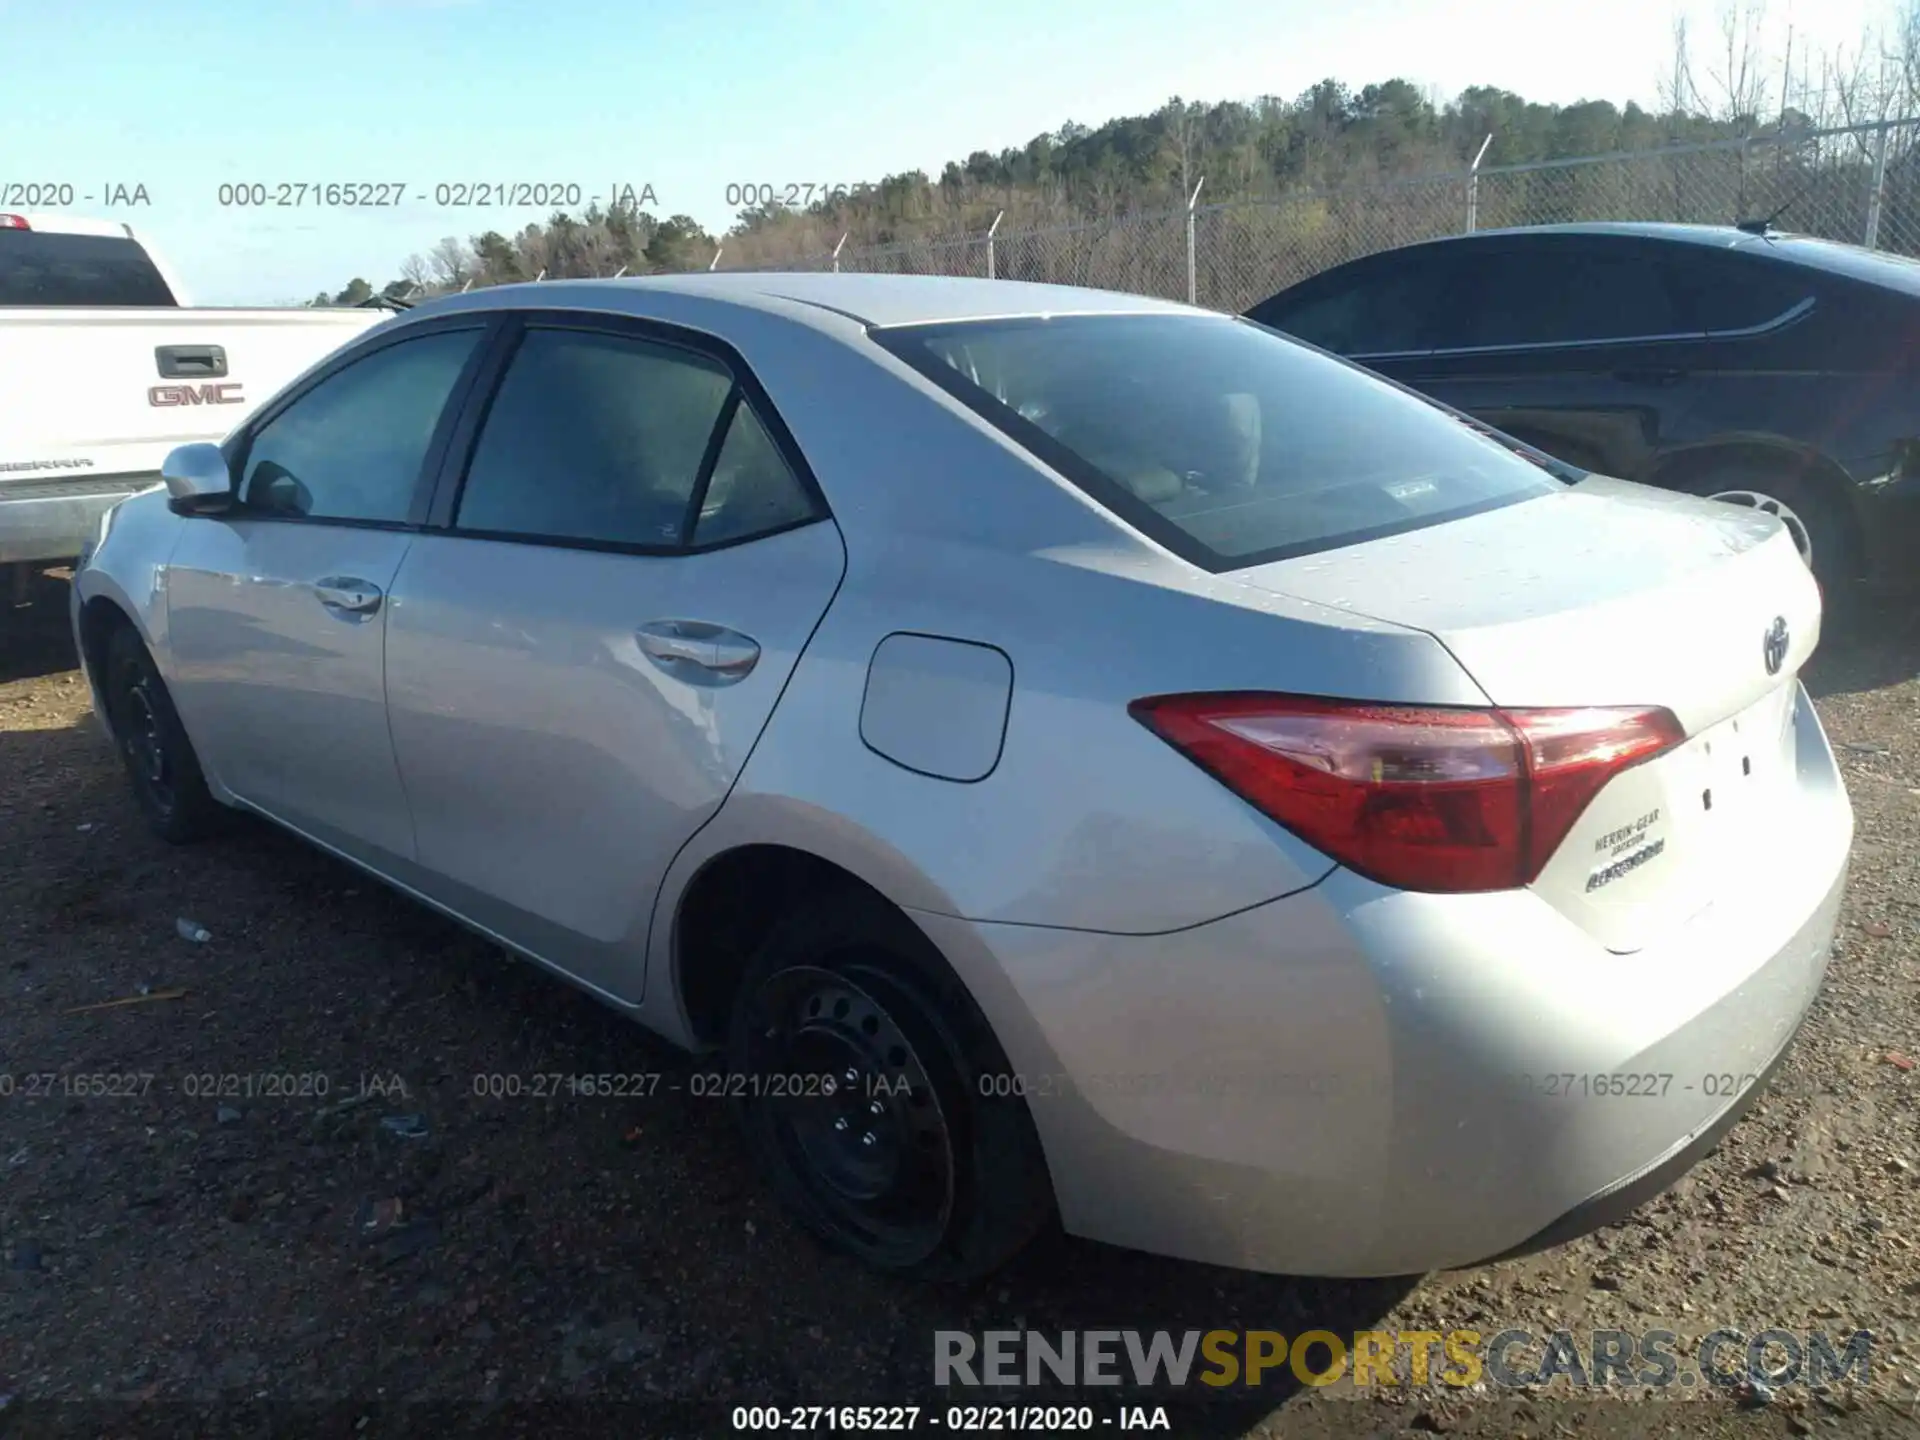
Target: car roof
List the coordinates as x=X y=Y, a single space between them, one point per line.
x=1721 y=237
x=877 y=300
x=1834 y=257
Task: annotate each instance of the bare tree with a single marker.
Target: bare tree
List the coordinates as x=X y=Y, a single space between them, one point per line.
x=416 y=272
x=1741 y=79
x=451 y=264
x=1904 y=46
x=1678 y=94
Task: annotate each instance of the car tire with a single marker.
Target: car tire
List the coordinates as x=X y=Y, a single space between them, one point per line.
x=875 y=1099
x=168 y=785
x=1817 y=525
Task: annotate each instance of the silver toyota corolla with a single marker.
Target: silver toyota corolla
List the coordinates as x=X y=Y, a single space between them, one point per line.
x=1070 y=753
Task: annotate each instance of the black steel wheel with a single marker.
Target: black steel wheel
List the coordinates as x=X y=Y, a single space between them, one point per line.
x=865 y=1082
x=168 y=785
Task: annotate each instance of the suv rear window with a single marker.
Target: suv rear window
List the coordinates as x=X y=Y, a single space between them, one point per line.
x=40 y=268
x=1227 y=443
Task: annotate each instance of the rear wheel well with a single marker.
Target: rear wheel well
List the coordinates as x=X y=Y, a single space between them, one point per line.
x=1812 y=469
x=728 y=910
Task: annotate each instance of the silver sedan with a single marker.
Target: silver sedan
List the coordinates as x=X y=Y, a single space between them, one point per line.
x=1068 y=753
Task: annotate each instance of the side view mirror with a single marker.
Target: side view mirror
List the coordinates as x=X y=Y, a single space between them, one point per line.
x=197 y=479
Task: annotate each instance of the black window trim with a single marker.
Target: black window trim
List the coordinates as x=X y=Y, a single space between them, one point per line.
x=1589 y=245
x=1785 y=318
x=457 y=457
x=239 y=447
x=1114 y=497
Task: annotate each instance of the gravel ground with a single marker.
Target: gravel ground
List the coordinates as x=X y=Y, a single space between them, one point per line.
x=614 y=1260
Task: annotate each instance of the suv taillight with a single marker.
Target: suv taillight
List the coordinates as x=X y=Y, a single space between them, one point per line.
x=1417 y=797
x=14 y=222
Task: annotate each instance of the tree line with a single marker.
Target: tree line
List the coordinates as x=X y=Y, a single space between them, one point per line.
x=1330 y=136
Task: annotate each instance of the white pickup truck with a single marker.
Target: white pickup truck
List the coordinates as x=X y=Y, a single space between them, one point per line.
x=104 y=369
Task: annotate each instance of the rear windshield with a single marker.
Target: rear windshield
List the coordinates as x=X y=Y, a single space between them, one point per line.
x=38 y=268
x=1228 y=444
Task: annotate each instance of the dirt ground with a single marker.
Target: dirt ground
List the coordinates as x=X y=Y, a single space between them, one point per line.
x=172 y=1259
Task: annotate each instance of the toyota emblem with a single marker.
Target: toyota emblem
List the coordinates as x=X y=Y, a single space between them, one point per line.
x=1775 y=647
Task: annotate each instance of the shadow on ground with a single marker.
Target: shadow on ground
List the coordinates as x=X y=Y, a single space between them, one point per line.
x=1873 y=642
x=35 y=638
x=538 y=1224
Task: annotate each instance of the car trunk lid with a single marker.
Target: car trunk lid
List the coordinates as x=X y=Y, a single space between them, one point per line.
x=1608 y=594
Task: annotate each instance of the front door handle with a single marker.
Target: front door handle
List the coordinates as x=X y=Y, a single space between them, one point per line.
x=344 y=593
x=1650 y=377
x=695 y=650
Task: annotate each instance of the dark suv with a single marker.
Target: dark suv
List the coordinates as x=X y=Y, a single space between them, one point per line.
x=1762 y=368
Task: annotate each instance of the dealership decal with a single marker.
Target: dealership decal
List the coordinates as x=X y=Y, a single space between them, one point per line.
x=1607 y=874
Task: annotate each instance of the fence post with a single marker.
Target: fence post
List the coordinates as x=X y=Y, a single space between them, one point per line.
x=836 y=250
x=1473 y=184
x=990 y=229
x=1193 y=273
x=1876 y=196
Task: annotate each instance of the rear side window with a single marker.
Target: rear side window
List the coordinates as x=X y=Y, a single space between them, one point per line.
x=1389 y=307
x=1229 y=445
x=606 y=440
x=39 y=268
x=1734 y=293
x=752 y=490
x=1550 y=296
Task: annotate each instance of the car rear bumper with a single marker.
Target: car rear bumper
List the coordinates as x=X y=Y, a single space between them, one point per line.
x=1359 y=1081
x=53 y=520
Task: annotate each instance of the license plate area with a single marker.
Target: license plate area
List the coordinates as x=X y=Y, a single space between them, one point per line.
x=1735 y=770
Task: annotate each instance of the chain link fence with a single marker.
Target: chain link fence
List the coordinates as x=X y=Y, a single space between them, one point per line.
x=1860 y=184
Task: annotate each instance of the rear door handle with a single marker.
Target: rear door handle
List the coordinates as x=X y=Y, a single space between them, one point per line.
x=1650 y=377
x=190 y=362
x=344 y=593
x=695 y=650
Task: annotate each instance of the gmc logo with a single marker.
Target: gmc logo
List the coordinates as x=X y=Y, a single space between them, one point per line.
x=226 y=393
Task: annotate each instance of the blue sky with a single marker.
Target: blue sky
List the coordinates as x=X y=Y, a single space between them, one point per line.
x=689 y=98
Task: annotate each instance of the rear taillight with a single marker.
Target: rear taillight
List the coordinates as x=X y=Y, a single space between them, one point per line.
x=1420 y=798
x=14 y=222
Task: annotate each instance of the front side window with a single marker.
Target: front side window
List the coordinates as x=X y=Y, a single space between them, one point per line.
x=1225 y=442
x=352 y=447
x=595 y=438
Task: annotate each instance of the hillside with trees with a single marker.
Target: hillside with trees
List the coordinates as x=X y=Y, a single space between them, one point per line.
x=1331 y=137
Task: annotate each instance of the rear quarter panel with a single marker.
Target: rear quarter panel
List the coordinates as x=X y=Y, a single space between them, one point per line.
x=1088 y=820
